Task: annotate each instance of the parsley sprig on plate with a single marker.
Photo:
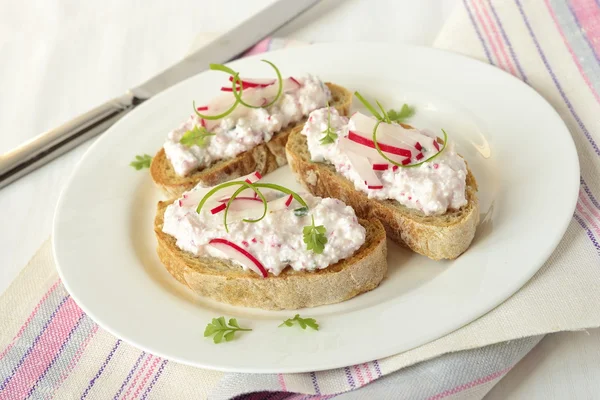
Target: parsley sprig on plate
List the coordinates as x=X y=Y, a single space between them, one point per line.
x=303 y=322
x=221 y=330
x=142 y=161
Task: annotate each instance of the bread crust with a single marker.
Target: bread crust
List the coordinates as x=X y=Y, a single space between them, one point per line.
x=265 y=158
x=227 y=282
x=437 y=237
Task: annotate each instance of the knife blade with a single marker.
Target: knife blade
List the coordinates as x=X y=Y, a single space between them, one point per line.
x=51 y=144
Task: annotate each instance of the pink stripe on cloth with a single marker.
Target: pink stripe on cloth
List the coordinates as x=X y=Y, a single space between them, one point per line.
x=588 y=218
x=28 y=321
x=137 y=376
x=588 y=15
x=73 y=362
x=359 y=375
x=588 y=204
x=573 y=55
x=146 y=377
x=43 y=352
x=470 y=385
x=368 y=371
x=260 y=47
x=487 y=33
x=496 y=33
x=281 y=380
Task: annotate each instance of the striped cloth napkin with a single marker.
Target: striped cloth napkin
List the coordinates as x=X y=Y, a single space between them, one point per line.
x=50 y=349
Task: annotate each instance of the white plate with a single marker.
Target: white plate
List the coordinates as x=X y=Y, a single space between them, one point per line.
x=517 y=146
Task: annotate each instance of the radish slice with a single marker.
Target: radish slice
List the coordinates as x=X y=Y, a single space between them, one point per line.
x=218 y=208
x=361 y=138
x=296 y=81
x=193 y=197
x=347 y=145
x=234 y=252
x=289 y=200
x=365 y=171
x=381 y=167
x=202 y=108
x=251 y=82
x=393 y=134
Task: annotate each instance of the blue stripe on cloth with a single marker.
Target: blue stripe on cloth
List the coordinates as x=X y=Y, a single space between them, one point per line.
x=587 y=190
x=313 y=377
x=476 y=27
x=508 y=43
x=129 y=375
x=24 y=344
x=350 y=377
x=46 y=383
x=555 y=80
x=578 y=42
x=30 y=346
x=376 y=364
x=588 y=231
x=101 y=370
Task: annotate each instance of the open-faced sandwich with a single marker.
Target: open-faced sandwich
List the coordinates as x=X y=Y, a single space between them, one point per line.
x=242 y=130
x=409 y=179
x=255 y=244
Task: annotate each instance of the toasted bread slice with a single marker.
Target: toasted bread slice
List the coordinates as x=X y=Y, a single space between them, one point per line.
x=227 y=282
x=265 y=158
x=438 y=237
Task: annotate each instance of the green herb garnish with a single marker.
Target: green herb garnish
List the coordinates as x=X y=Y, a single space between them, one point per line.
x=238 y=91
x=197 y=136
x=400 y=116
x=301 y=212
x=141 y=162
x=314 y=237
x=330 y=135
x=218 y=327
x=303 y=322
x=395 y=116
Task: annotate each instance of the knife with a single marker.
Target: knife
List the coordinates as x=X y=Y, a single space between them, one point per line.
x=49 y=145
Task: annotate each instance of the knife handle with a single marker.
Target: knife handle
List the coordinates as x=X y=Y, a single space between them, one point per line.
x=49 y=145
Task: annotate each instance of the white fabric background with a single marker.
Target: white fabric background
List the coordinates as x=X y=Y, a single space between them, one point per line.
x=58 y=58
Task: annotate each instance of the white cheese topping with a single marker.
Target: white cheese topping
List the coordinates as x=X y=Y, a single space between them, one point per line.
x=433 y=187
x=277 y=240
x=236 y=135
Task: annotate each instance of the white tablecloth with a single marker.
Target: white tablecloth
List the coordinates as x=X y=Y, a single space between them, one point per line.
x=58 y=59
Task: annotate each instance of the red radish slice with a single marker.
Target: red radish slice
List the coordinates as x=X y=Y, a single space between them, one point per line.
x=363 y=168
x=419 y=156
x=393 y=134
x=289 y=200
x=347 y=145
x=296 y=81
x=251 y=82
x=436 y=145
x=380 y=167
x=218 y=209
x=358 y=137
x=374 y=187
x=240 y=198
x=202 y=108
x=234 y=252
x=193 y=197
x=406 y=161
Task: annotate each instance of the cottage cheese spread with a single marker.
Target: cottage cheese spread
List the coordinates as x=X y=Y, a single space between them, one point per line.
x=234 y=136
x=433 y=187
x=277 y=240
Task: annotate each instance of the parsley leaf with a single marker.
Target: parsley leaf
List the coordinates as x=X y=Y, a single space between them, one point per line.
x=219 y=328
x=303 y=322
x=301 y=211
x=196 y=136
x=399 y=116
x=314 y=237
x=330 y=135
x=141 y=162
